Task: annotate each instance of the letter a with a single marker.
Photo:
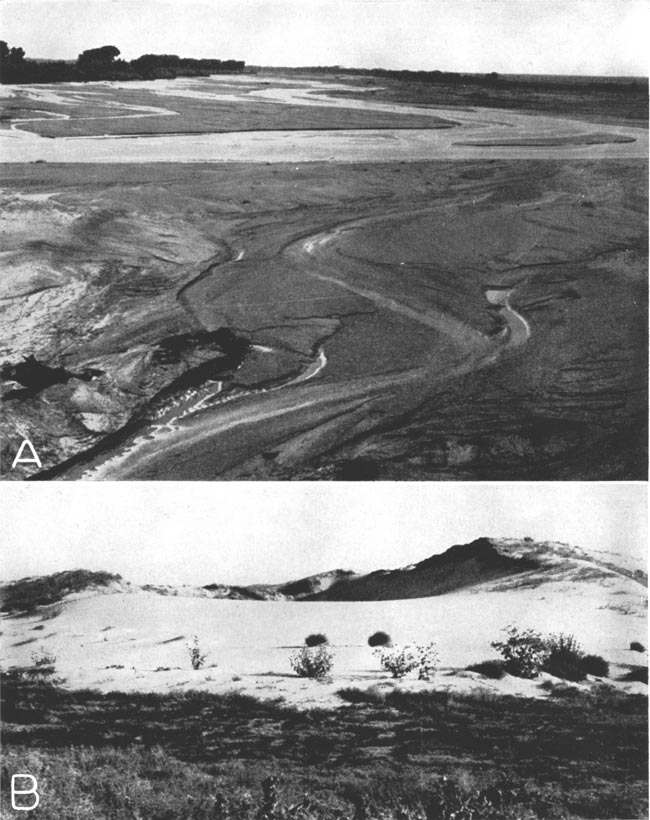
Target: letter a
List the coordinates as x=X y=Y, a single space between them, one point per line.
x=32 y=790
x=33 y=460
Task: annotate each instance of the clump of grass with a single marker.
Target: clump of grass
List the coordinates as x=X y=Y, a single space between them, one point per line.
x=490 y=669
x=562 y=690
x=564 y=657
x=635 y=646
x=595 y=665
x=316 y=639
x=312 y=661
x=379 y=639
x=373 y=695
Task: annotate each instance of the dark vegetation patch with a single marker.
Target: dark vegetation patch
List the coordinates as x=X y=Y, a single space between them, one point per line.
x=526 y=653
x=316 y=639
x=602 y=99
x=577 y=139
x=102 y=64
x=28 y=594
x=35 y=376
x=372 y=695
x=379 y=639
x=595 y=665
x=357 y=469
x=638 y=674
x=171 y=349
x=233 y=351
x=489 y=669
x=583 y=756
x=635 y=646
x=564 y=658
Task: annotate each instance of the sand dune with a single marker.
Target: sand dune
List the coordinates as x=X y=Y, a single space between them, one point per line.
x=126 y=637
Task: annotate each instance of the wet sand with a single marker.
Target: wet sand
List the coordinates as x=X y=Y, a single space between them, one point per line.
x=475 y=318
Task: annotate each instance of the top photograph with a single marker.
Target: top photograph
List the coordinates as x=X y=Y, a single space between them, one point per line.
x=323 y=240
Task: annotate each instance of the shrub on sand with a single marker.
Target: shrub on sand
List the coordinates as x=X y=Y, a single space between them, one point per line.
x=197 y=658
x=312 y=661
x=379 y=639
x=635 y=646
x=527 y=653
x=316 y=639
x=523 y=652
x=595 y=665
x=41 y=658
x=399 y=661
x=564 y=657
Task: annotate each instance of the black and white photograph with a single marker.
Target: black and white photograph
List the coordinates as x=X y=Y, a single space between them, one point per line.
x=323 y=240
x=354 y=295
x=422 y=652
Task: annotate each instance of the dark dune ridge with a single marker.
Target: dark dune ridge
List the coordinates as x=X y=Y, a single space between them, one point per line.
x=460 y=567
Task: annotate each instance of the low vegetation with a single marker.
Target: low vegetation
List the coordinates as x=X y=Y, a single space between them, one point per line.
x=316 y=639
x=489 y=669
x=379 y=639
x=522 y=651
x=635 y=646
x=400 y=660
x=194 y=754
x=312 y=661
x=563 y=657
x=594 y=665
x=103 y=64
x=526 y=653
x=638 y=674
x=197 y=657
x=28 y=594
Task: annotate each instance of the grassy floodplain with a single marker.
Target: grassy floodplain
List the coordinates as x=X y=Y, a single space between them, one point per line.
x=205 y=756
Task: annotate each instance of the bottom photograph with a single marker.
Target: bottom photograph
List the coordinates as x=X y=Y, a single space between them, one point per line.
x=444 y=652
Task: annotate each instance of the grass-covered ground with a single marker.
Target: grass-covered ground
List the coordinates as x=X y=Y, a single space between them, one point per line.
x=595 y=99
x=381 y=756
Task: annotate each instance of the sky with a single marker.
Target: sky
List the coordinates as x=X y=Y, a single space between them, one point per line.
x=508 y=36
x=238 y=533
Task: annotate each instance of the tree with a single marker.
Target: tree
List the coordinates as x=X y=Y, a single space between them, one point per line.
x=14 y=56
x=17 y=56
x=97 y=58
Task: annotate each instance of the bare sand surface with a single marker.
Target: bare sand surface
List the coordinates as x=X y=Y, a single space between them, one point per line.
x=128 y=639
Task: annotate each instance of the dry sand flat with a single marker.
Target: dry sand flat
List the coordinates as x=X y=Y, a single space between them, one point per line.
x=479 y=133
x=363 y=287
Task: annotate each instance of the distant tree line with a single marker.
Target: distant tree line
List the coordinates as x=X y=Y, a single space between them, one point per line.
x=454 y=78
x=104 y=64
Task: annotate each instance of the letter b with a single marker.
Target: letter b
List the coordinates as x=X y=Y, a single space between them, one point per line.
x=32 y=790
